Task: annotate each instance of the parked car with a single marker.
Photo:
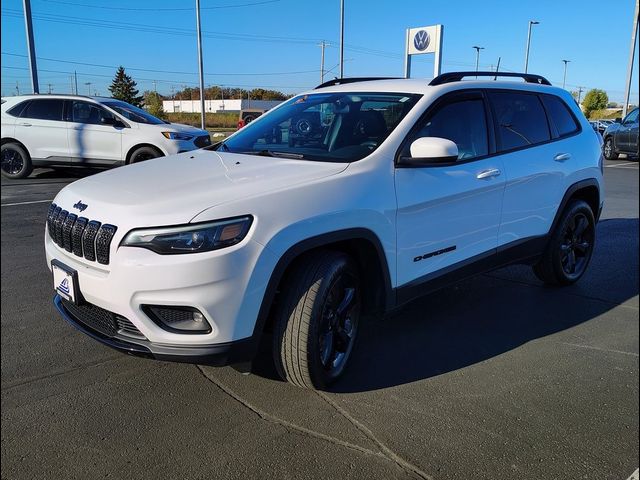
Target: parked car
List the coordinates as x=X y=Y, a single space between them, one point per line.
x=401 y=188
x=622 y=137
x=248 y=115
x=73 y=130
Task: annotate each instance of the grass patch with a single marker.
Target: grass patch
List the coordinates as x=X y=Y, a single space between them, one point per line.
x=213 y=121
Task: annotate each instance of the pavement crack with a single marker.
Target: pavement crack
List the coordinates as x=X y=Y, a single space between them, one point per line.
x=12 y=385
x=390 y=454
x=600 y=349
x=289 y=426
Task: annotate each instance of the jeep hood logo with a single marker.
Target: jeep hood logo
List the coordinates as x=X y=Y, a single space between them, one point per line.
x=81 y=206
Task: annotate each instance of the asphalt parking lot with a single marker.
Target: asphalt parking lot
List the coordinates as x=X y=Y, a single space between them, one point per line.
x=495 y=378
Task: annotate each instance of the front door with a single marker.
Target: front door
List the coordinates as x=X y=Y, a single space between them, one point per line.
x=449 y=215
x=90 y=140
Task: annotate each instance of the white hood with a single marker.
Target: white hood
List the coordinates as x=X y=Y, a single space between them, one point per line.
x=173 y=190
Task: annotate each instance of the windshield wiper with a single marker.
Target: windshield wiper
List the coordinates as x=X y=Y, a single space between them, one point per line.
x=273 y=153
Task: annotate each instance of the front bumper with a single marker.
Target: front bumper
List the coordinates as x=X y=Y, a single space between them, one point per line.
x=219 y=354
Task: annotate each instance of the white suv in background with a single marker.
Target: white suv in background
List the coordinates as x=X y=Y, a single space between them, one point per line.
x=352 y=198
x=69 y=130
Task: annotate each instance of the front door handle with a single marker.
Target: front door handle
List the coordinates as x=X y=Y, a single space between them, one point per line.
x=562 y=157
x=24 y=124
x=492 y=172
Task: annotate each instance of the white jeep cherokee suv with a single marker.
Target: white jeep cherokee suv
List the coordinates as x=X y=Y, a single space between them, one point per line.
x=355 y=197
x=72 y=130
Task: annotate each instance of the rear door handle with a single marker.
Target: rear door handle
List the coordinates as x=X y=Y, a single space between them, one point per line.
x=562 y=157
x=492 y=172
x=24 y=124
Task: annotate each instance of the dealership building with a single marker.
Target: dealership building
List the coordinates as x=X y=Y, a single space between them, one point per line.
x=213 y=106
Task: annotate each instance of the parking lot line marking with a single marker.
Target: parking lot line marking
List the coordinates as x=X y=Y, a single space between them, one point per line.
x=600 y=349
x=24 y=203
x=635 y=475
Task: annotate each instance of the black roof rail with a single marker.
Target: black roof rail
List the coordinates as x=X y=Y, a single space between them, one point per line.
x=342 y=81
x=457 y=76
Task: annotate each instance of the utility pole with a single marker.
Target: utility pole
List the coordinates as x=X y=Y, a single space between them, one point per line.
x=341 y=38
x=200 y=71
x=49 y=89
x=88 y=84
x=632 y=52
x=17 y=88
x=31 y=47
x=526 y=56
x=564 y=77
x=75 y=76
x=580 y=90
x=477 y=56
x=155 y=86
x=497 y=69
x=322 y=46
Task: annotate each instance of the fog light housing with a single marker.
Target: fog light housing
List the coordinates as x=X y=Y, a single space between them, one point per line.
x=178 y=319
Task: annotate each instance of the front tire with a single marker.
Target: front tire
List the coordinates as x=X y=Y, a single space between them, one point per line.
x=317 y=319
x=570 y=248
x=609 y=150
x=144 y=153
x=15 y=161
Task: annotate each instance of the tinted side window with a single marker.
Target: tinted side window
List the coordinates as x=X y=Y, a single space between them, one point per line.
x=560 y=115
x=631 y=118
x=85 y=112
x=463 y=122
x=16 y=110
x=49 y=109
x=520 y=119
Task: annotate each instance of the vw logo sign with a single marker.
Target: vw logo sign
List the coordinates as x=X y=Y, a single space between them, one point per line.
x=421 y=40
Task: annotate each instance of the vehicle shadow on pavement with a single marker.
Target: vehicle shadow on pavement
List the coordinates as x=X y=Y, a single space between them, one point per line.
x=489 y=315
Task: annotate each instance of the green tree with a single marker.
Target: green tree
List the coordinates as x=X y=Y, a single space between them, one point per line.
x=594 y=100
x=123 y=87
x=153 y=103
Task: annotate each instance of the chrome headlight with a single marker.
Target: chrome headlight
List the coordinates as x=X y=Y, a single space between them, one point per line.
x=177 y=136
x=198 y=237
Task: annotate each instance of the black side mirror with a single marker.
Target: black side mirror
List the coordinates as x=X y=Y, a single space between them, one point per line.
x=618 y=120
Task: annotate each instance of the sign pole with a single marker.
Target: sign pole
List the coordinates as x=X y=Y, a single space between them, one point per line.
x=407 y=57
x=437 y=64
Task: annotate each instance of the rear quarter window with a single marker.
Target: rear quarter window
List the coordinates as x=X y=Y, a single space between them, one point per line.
x=16 y=110
x=560 y=115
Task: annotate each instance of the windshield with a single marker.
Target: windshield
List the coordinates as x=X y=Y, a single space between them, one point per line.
x=134 y=114
x=329 y=127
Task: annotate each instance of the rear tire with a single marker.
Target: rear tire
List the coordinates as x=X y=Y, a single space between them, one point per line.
x=144 y=153
x=570 y=248
x=15 y=161
x=609 y=150
x=317 y=319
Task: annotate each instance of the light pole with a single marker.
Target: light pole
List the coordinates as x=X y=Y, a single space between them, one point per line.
x=31 y=48
x=200 y=71
x=526 y=57
x=477 y=56
x=564 y=77
x=632 y=49
x=341 y=38
x=88 y=84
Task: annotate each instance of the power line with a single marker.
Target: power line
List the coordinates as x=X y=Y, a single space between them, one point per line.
x=171 y=9
x=164 y=71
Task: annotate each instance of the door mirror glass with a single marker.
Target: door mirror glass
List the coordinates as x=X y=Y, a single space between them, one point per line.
x=431 y=150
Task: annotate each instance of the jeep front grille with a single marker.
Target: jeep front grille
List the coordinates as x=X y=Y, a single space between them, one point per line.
x=85 y=238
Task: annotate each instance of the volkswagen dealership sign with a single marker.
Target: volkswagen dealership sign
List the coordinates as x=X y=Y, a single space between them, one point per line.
x=422 y=40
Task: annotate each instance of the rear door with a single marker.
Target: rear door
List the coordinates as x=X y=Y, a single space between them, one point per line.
x=90 y=140
x=43 y=131
x=537 y=157
x=629 y=133
x=449 y=214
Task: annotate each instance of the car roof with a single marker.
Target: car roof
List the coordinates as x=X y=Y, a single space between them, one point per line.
x=17 y=98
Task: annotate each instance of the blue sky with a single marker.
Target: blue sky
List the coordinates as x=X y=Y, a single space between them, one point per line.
x=273 y=43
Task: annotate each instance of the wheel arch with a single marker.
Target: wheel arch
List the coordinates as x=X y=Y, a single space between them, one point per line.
x=587 y=190
x=127 y=158
x=361 y=244
x=6 y=140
